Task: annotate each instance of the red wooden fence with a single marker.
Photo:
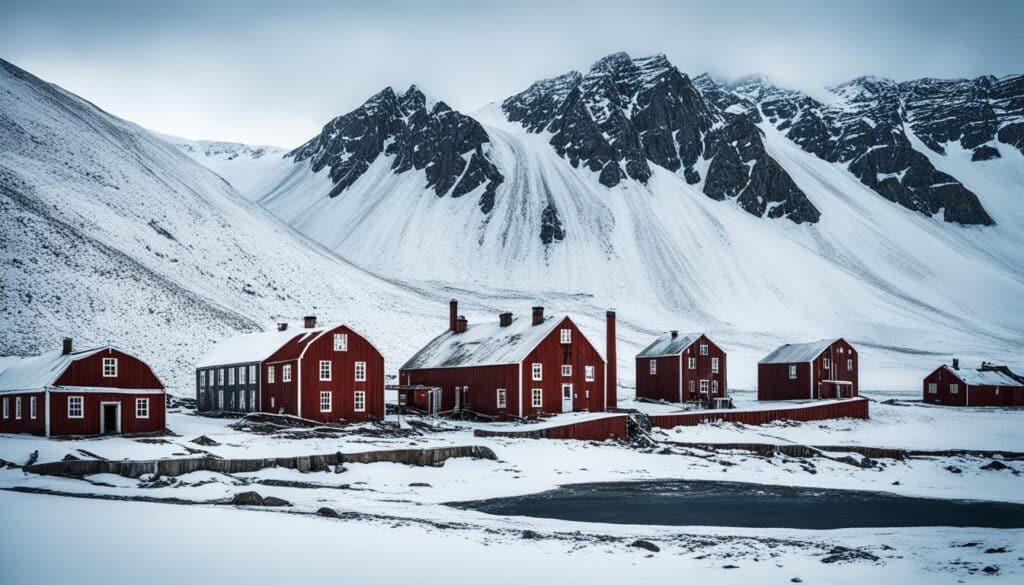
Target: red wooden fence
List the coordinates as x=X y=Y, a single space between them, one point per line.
x=597 y=429
x=853 y=408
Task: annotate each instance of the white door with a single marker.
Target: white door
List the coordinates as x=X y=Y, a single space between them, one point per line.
x=566 y=397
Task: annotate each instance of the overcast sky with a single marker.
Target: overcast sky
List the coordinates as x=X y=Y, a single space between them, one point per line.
x=275 y=72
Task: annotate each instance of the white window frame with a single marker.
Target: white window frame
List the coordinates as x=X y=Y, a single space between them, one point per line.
x=142 y=408
x=955 y=389
x=692 y=363
x=501 y=398
x=703 y=349
x=933 y=388
x=652 y=367
x=241 y=375
x=33 y=408
x=360 y=371
x=326 y=369
x=849 y=364
x=202 y=379
x=241 y=401
x=209 y=378
x=537 y=398
x=566 y=370
x=220 y=377
x=109 y=367
x=705 y=386
x=326 y=401
x=537 y=371
x=714 y=365
x=565 y=335
x=341 y=342
x=252 y=373
x=220 y=399
x=270 y=374
x=17 y=408
x=359 y=401
x=286 y=373
x=589 y=373
x=231 y=376
x=714 y=387
x=792 y=372
x=76 y=403
x=826 y=363
x=7 y=407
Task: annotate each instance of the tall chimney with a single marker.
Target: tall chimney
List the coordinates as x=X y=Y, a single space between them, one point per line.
x=309 y=321
x=611 y=378
x=956 y=363
x=461 y=324
x=282 y=326
x=675 y=334
x=67 y=346
x=538 y=315
x=453 y=315
x=505 y=319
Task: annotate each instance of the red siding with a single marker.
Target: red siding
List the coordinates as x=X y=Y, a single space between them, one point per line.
x=132 y=372
x=483 y=383
x=27 y=424
x=979 y=395
x=60 y=424
x=342 y=384
x=279 y=396
x=853 y=408
x=552 y=354
x=836 y=356
x=662 y=385
x=692 y=377
x=773 y=382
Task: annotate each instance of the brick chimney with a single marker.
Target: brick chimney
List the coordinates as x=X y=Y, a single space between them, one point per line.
x=67 y=346
x=956 y=363
x=611 y=377
x=453 y=315
x=505 y=319
x=461 y=324
x=309 y=321
x=282 y=326
x=538 y=315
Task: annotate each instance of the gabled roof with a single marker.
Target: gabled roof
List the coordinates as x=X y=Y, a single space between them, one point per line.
x=983 y=378
x=256 y=347
x=483 y=344
x=797 y=353
x=41 y=371
x=666 y=345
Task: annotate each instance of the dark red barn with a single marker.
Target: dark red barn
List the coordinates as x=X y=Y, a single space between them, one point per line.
x=987 y=386
x=681 y=368
x=330 y=374
x=95 y=391
x=519 y=367
x=820 y=369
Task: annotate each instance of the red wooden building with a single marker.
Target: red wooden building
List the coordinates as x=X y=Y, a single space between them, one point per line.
x=987 y=386
x=95 y=391
x=519 y=367
x=330 y=374
x=820 y=369
x=681 y=368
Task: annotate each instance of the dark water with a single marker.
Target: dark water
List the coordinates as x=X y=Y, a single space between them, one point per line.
x=717 y=503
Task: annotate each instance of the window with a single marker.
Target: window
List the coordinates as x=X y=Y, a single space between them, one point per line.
x=325 y=370
x=359 y=403
x=652 y=367
x=360 y=371
x=271 y=402
x=341 y=342
x=537 y=372
x=933 y=388
x=703 y=349
x=703 y=386
x=792 y=372
x=714 y=365
x=17 y=407
x=954 y=388
x=566 y=335
x=714 y=387
x=252 y=400
x=241 y=400
x=502 y=398
x=325 y=400
x=241 y=374
x=566 y=371
x=202 y=379
x=231 y=376
x=286 y=373
x=32 y=410
x=588 y=373
x=826 y=363
x=220 y=377
x=142 y=408
x=849 y=364
x=252 y=374
x=538 y=398
x=209 y=377
x=109 y=367
x=7 y=407
x=75 y=407
x=270 y=374
x=692 y=363
x=220 y=399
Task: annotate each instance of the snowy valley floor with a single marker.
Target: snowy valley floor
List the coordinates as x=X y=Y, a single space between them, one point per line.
x=392 y=512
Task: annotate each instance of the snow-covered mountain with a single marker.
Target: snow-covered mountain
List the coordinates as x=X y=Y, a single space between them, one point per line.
x=692 y=204
x=245 y=166
x=109 y=234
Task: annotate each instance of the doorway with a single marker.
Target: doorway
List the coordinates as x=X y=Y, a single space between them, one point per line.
x=566 y=397
x=110 y=418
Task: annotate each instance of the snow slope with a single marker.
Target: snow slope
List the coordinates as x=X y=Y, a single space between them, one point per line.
x=108 y=234
x=245 y=166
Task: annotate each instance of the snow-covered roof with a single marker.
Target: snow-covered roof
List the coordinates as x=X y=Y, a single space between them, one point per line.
x=984 y=378
x=483 y=344
x=797 y=353
x=253 y=347
x=37 y=372
x=668 y=345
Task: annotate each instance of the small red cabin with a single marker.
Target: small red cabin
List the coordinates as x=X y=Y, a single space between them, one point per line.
x=681 y=368
x=95 y=391
x=987 y=386
x=513 y=367
x=330 y=374
x=820 y=369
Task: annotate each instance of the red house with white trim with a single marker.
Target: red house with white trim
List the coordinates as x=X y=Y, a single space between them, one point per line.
x=101 y=390
x=820 y=369
x=987 y=386
x=330 y=374
x=681 y=368
x=515 y=367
